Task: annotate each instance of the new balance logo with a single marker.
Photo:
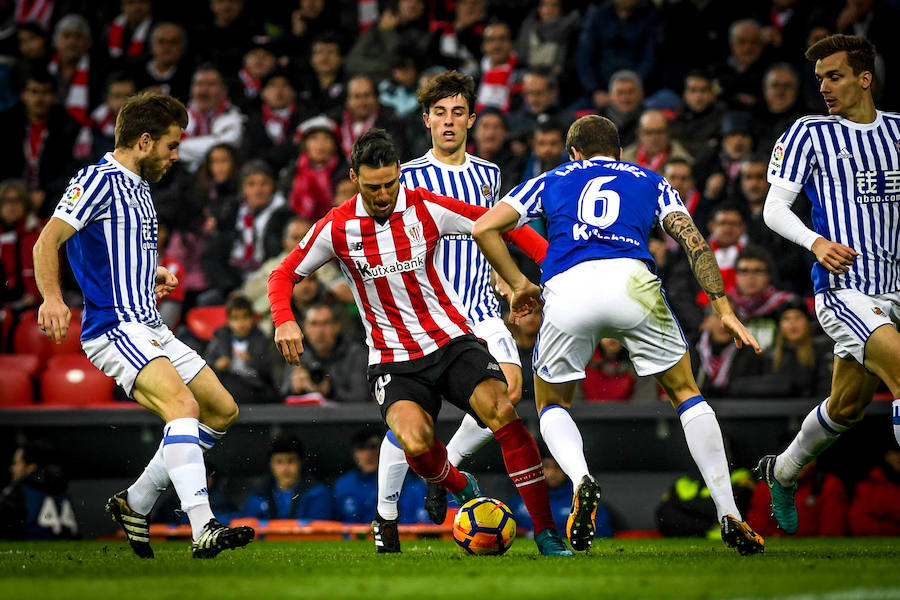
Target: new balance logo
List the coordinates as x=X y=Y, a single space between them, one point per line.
x=493 y=367
x=844 y=154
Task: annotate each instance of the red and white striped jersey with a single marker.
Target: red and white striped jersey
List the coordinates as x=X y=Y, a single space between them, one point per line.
x=407 y=306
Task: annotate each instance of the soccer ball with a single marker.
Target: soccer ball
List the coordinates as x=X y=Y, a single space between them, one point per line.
x=484 y=526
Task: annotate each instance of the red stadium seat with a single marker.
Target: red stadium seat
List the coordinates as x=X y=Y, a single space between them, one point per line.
x=29 y=364
x=28 y=338
x=16 y=388
x=76 y=385
x=204 y=320
x=69 y=361
x=6 y=318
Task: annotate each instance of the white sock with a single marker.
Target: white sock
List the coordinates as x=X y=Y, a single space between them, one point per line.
x=704 y=440
x=143 y=493
x=563 y=438
x=392 y=470
x=895 y=412
x=467 y=440
x=184 y=462
x=816 y=433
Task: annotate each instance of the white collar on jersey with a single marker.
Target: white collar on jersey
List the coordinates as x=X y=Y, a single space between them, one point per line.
x=601 y=157
x=430 y=157
x=399 y=207
x=862 y=126
x=131 y=174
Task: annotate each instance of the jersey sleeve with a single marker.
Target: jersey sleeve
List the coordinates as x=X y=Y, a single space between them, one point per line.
x=527 y=199
x=667 y=200
x=313 y=251
x=793 y=158
x=456 y=216
x=87 y=196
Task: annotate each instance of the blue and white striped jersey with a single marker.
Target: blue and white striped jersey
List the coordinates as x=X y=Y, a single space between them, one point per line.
x=851 y=173
x=113 y=251
x=477 y=182
x=595 y=209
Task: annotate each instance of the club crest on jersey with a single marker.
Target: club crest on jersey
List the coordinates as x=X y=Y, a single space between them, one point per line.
x=486 y=191
x=72 y=196
x=878 y=311
x=414 y=233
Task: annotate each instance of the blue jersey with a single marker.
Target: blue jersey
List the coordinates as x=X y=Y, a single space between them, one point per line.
x=595 y=209
x=477 y=182
x=113 y=251
x=851 y=174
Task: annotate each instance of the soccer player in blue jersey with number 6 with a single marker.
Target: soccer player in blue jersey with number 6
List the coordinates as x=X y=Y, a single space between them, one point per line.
x=599 y=281
x=848 y=163
x=108 y=222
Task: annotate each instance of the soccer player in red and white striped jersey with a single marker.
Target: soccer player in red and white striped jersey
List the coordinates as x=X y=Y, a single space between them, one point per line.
x=421 y=346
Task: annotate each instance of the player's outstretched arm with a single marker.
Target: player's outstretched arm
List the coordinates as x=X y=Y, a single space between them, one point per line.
x=703 y=263
x=53 y=314
x=487 y=233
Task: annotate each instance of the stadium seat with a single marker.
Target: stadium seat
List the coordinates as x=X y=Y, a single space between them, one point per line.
x=75 y=385
x=29 y=364
x=203 y=321
x=69 y=361
x=16 y=388
x=6 y=318
x=28 y=338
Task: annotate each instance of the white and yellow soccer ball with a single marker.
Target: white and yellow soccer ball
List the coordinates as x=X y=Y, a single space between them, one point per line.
x=484 y=526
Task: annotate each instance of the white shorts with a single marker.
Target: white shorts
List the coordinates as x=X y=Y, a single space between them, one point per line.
x=499 y=340
x=849 y=317
x=123 y=351
x=617 y=298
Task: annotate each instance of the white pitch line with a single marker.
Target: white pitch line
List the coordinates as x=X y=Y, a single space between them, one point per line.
x=854 y=594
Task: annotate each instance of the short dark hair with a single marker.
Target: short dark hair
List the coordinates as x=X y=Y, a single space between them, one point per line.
x=286 y=445
x=447 y=85
x=375 y=148
x=860 y=51
x=151 y=113
x=365 y=434
x=680 y=160
x=550 y=126
x=592 y=135
x=238 y=302
x=754 y=252
x=119 y=77
x=38 y=74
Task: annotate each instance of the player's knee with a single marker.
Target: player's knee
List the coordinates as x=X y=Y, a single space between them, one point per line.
x=416 y=440
x=183 y=405
x=846 y=413
x=229 y=414
x=500 y=413
x=514 y=394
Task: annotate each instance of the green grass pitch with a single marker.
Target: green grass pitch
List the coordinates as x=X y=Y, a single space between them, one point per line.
x=798 y=569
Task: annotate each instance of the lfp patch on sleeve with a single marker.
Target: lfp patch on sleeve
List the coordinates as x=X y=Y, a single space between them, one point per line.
x=777 y=156
x=73 y=195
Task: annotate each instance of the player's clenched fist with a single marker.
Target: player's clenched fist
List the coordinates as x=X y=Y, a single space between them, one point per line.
x=289 y=340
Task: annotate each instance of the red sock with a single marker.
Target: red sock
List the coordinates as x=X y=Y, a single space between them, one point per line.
x=433 y=467
x=523 y=463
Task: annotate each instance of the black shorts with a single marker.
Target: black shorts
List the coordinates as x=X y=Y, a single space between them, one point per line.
x=452 y=372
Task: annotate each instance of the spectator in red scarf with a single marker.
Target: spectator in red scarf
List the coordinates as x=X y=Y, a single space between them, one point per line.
x=213 y=119
x=875 y=509
x=40 y=126
x=500 y=80
x=258 y=62
x=759 y=302
x=319 y=167
x=99 y=138
x=77 y=85
x=727 y=239
x=680 y=175
x=718 y=364
x=272 y=123
x=654 y=146
x=19 y=230
x=130 y=30
x=822 y=504
x=362 y=112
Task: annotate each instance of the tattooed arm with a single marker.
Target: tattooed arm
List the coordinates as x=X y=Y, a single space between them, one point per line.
x=703 y=263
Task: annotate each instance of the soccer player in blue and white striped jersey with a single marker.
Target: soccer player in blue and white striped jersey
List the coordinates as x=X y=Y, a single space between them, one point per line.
x=108 y=222
x=848 y=163
x=447 y=169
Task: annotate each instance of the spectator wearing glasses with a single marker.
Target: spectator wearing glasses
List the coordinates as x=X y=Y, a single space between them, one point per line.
x=758 y=300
